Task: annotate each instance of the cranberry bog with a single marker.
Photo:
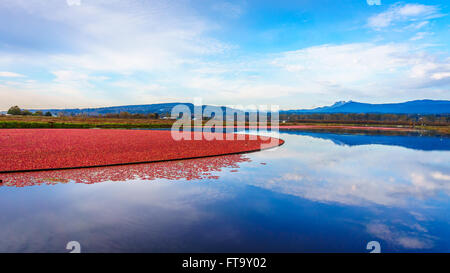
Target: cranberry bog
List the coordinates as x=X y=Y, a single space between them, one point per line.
x=24 y=150
x=189 y=169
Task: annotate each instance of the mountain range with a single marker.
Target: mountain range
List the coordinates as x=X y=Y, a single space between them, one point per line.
x=410 y=107
x=160 y=108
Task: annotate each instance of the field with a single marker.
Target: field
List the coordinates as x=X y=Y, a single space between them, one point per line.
x=47 y=149
x=80 y=122
x=7 y=122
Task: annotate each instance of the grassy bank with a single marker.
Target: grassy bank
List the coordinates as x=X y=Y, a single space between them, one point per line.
x=444 y=130
x=25 y=124
x=80 y=122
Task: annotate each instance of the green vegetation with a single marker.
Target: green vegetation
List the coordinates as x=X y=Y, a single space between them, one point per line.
x=126 y=115
x=27 y=124
x=24 y=124
x=372 y=118
x=25 y=119
x=18 y=118
x=15 y=110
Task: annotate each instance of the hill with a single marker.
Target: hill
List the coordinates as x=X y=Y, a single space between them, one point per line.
x=160 y=108
x=409 y=107
x=424 y=107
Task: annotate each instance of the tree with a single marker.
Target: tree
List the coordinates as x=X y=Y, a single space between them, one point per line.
x=26 y=113
x=15 y=110
x=124 y=115
x=38 y=113
x=48 y=114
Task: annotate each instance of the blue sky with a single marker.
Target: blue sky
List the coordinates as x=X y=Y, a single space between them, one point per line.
x=296 y=54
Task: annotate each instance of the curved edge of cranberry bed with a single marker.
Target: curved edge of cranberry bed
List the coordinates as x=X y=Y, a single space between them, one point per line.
x=280 y=142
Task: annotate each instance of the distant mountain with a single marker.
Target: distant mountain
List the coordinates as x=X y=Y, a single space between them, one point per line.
x=410 y=107
x=160 y=108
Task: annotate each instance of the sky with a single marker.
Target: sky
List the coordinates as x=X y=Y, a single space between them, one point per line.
x=295 y=54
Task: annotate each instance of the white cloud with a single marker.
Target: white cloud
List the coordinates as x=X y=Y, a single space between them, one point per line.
x=123 y=36
x=342 y=63
x=368 y=69
x=429 y=70
x=440 y=176
x=418 y=25
x=358 y=71
x=440 y=75
x=420 y=36
x=73 y=2
x=165 y=50
x=69 y=76
x=238 y=88
x=56 y=95
x=398 y=13
x=7 y=74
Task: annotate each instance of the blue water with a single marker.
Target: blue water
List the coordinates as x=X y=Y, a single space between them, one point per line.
x=319 y=192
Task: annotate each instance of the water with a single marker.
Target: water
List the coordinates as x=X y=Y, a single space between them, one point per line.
x=319 y=192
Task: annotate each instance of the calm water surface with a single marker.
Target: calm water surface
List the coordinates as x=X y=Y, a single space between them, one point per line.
x=319 y=192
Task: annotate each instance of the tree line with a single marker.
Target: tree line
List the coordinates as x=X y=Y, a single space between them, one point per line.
x=395 y=119
x=375 y=118
x=121 y=115
x=15 y=110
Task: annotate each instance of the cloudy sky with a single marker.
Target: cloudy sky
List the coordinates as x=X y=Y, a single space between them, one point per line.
x=297 y=54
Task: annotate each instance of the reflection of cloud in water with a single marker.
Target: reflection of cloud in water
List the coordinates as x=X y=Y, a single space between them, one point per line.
x=319 y=170
x=413 y=238
x=193 y=169
x=411 y=186
x=107 y=217
x=386 y=191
